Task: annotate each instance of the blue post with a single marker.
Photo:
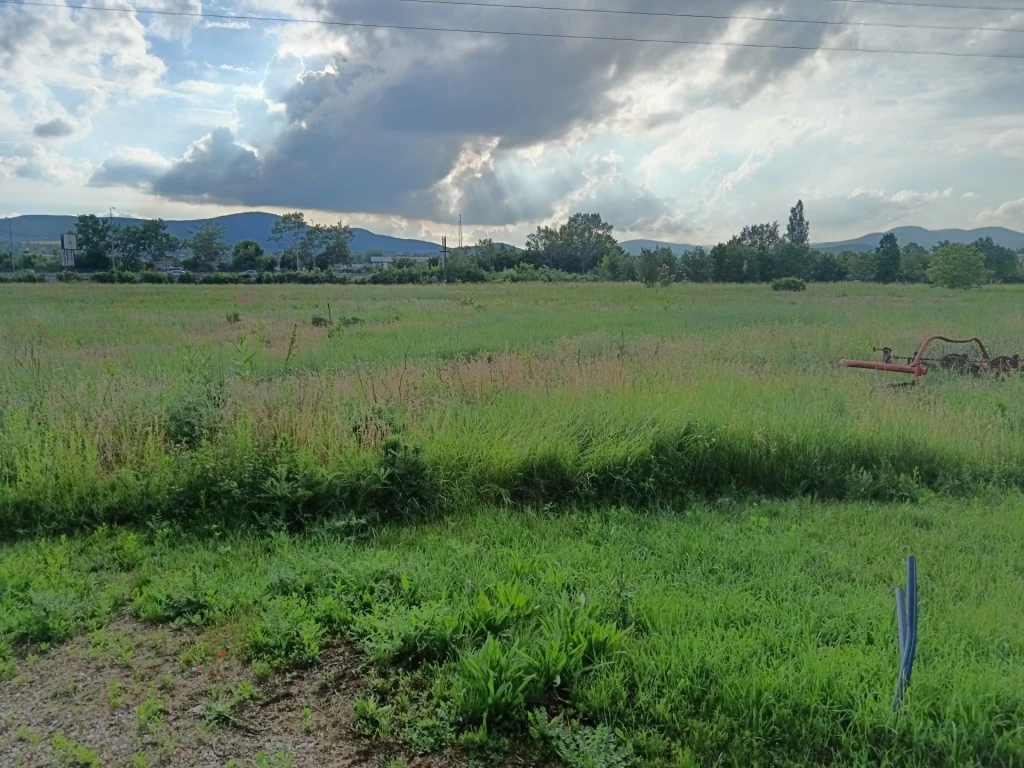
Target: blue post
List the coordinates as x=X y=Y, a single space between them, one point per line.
x=906 y=628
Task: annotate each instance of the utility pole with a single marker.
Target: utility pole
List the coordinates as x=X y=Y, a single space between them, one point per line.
x=10 y=234
x=460 y=232
x=110 y=228
x=444 y=257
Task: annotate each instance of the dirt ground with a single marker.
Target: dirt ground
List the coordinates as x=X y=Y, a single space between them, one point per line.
x=138 y=697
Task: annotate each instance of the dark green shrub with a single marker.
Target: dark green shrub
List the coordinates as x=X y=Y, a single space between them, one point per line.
x=194 y=413
x=191 y=420
x=789 y=284
x=158 y=278
x=27 y=277
x=67 y=276
x=222 y=278
x=319 y=321
x=187 y=278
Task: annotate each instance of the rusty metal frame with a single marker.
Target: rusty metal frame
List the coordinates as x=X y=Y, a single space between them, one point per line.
x=916 y=369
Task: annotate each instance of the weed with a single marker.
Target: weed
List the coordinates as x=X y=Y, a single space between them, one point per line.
x=491 y=685
x=307 y=720
x=234 y=316
x=28 y=735
x=140 y=760
x=279 y=759
x=222 y=706
x=319 y=321
x=149 y=716
x=428 y=734
x=71 y=754
x=193 y=416
x=194 y=655
x=372 y=718
x=114 y=699
x=580 y=746
x=286 y=635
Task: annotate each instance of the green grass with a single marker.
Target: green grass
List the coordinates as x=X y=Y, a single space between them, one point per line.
x=748 y=635
x=134 y=404
x=596 y=523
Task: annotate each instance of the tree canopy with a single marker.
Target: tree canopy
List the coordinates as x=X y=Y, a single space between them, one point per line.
x=577 y=246
x=958 y=266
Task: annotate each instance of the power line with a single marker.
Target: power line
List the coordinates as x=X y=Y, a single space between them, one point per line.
x=677 y=15
x=512 y=33
x=902 y=4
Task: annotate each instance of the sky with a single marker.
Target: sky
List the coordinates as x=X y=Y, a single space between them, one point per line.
x=402 y=131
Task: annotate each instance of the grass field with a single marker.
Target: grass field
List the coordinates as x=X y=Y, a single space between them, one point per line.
x=598 y=524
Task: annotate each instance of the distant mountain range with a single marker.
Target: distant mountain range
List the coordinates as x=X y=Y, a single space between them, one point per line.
x=256 y=226
x=633 y=247
x=926 y=238
x=237 y=226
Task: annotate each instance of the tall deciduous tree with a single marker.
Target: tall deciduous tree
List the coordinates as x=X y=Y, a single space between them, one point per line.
x=583 y=241
x=647 y=267
x=798 y=231
x=914 y=263
x=328 y=245
x=149 y=242
x=695 y=266
x=208 y=247
x=1003 y=263
x=289 y=232
x=248 y=254
x=958 y=266
x=764 y=237
x=887 y=259
x=579 y=245
x=94 y=241
x=735 y=262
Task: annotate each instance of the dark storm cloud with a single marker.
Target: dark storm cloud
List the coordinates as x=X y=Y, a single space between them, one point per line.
x=136 y=168
x=377 y=133
x=53 y=129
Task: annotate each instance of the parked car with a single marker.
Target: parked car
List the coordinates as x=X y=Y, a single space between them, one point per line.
x=175 y=272
x=252 y=274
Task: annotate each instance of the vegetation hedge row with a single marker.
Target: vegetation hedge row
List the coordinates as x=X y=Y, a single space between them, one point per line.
x=235 y=481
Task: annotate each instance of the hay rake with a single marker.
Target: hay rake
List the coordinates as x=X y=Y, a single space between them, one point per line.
x=959 y=356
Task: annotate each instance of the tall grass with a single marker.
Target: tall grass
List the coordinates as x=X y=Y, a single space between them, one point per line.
x=140 y=403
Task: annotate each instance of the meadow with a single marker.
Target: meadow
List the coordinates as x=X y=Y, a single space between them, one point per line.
x=591 y=523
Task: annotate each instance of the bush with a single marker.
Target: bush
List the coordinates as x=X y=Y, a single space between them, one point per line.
x=112 y=277
x=187 y=278
x=27 y=277
x=222 y=278
x=958 y=266
x=313 y=277
x=154 y=277
x=398 y=275
x=67 y=276
x=788 y=284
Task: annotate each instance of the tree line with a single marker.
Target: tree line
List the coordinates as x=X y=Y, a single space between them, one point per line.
x=584 y=247
x=104 y=246
x=760 y=253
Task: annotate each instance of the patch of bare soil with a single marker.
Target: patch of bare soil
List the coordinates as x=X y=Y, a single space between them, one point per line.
x=137 y=696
